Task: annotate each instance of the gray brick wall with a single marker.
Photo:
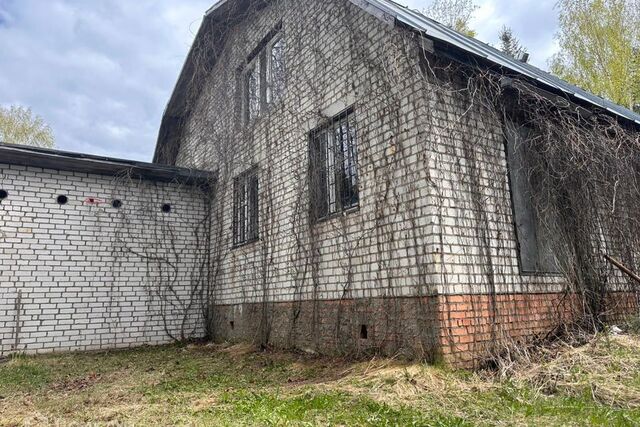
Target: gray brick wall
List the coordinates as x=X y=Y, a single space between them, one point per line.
x=88 y=274
x=418 y=229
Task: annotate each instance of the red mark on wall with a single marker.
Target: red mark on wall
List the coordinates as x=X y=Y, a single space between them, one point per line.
x=93 y=201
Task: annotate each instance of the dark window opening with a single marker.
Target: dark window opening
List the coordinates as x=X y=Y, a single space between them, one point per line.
x=364 y=333
x=166 y=208
x=232 y=325
x=3 y=194
x=535 y=240
x=116 y=204
x=62 y=199
x=245 y=207
x=334 y=167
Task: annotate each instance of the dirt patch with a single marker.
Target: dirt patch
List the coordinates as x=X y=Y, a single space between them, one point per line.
x=71 y=385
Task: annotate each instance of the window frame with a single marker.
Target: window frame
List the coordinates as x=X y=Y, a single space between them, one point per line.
x=330 y=179
x=262 y=55
x=246 y=207
x=513 y=128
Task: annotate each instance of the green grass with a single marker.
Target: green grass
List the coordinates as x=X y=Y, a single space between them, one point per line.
x=203 y=385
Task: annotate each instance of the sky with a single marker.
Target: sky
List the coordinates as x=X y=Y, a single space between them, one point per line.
x=100 y=72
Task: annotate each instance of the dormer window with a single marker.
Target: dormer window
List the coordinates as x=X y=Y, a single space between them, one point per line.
x=264 y=75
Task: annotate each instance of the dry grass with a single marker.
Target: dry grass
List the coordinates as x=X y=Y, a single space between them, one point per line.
x=594 y=384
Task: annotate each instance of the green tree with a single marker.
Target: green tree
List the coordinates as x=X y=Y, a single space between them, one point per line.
x=510 y=44
x=599 y=42
x=455 y=14
x=19 y=125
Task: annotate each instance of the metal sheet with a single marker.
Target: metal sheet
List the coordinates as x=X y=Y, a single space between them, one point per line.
x=445 y=34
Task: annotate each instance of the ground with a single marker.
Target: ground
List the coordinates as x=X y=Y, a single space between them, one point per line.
x=594 y=384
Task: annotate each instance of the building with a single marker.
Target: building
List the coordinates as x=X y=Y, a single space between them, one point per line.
x=379 y=183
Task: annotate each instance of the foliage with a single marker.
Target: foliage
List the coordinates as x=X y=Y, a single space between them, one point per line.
x=19 y=125
x=599 y=47
x=595 y=384
x=454 y=14
x=510 y=44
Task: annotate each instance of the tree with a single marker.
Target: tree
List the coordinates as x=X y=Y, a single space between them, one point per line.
x=19 y=125
x=509 y=44
x=599 y=42
x=455 y=14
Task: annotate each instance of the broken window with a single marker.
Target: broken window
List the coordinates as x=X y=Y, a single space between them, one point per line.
x=532 y=231
x=264 y=76
x=333 y=166
x=245 y=207
x=276 y=71
x=252 y=89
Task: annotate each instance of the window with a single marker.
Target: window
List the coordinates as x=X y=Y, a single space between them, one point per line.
x=534 y=239
x=276 y=71
x=264 y=75
x=253 y=88
x=333 y=166
x=245 y=207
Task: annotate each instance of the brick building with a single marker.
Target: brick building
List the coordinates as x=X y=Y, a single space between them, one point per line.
x=370 y=195
x=365 y=201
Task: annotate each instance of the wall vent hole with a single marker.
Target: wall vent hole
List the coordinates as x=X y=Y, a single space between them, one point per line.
x=364 y=333
x=232 y=325
x=62 y=200
x=116 y=204
x=166 y=208
x=3 y=194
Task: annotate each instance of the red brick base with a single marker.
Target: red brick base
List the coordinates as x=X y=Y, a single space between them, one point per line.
x=461 y=329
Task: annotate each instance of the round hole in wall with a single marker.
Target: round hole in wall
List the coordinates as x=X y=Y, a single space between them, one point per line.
x=3 y=194
x=166 y=208
x=116 y=204
x=62 y=199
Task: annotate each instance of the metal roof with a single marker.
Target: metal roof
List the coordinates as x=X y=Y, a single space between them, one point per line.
x=445 y=34
x=76 y=162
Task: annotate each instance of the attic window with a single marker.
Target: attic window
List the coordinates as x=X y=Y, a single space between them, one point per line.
x=264 y=75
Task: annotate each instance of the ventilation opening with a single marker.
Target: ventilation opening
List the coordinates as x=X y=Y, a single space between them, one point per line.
x=62 y=200
x=166 y=208
x=3 y=194
x=116 y=204
x=364 y=333
x=232 y=325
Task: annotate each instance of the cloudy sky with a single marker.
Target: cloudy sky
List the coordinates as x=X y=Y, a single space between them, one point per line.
x=101 y=71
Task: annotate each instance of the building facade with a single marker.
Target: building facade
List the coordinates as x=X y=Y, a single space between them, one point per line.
x=371 y=195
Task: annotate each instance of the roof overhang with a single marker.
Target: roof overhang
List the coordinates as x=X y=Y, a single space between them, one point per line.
x=75 y=162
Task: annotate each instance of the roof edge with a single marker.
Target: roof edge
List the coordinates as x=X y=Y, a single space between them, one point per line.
x=46 y=158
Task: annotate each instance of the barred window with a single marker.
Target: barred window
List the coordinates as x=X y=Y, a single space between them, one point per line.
x=333 y=167
x=245 y=207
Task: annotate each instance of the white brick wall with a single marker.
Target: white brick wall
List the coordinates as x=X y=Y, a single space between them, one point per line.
x=83 y=271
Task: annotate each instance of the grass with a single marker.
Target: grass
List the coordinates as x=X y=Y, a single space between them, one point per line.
x=596 y=384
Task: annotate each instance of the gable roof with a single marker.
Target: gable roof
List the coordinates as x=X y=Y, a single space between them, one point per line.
x=388 y=11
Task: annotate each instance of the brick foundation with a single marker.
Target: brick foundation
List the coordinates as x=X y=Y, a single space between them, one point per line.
x=460 y=329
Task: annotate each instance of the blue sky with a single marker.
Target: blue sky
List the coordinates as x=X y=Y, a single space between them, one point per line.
x=100 y=72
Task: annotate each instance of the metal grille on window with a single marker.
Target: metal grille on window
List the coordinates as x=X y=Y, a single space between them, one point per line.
x=245 y=207
x=333 y=167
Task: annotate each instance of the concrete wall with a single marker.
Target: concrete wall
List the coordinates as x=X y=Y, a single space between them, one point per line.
x=85 y=275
